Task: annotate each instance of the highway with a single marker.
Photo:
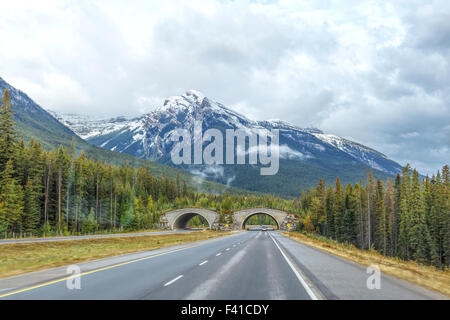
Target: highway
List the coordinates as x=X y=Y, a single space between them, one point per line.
x=247 y=265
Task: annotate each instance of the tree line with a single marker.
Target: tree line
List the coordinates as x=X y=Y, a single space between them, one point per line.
x=407 y=218
x=58 y=192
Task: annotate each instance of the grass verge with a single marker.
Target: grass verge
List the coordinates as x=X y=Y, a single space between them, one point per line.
x=425 y=276
x=105 y=232
x=20 y=258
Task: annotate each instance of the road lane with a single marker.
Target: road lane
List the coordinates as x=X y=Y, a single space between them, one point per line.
x=338 y=278
x=134 y=280
x=254 y=269
x=257 y=265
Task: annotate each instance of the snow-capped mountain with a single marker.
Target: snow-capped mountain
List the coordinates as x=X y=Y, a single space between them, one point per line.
x=149 y=136
x=302 y=151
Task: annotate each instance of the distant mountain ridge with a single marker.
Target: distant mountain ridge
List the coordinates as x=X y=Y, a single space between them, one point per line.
x=34 y=122
x=303 y=152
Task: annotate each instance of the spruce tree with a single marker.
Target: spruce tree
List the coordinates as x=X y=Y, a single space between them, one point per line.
x=403 y=238
x=11 y=201
x=32 y=209
x=349 y=218
x=397 y=214
x=370 y=197
x=329 y=221
x=445 y=217
x=338 y=211
x=8 y=134
x=391 y=223
x=418 y=235
x=380 y=239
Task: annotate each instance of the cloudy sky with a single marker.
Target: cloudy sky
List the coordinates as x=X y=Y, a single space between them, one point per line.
x=376 y=72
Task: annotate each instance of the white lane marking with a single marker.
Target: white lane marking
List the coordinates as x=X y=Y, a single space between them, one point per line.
x=204 y=289
x=203 y=262
x=299 y=277
x=227 y=249
x=218 y=254
x=173 y=280
x=234 y=245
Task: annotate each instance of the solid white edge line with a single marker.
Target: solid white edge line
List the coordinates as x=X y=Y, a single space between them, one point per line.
x=299 y=277
x=203 y=262
x=173 y=280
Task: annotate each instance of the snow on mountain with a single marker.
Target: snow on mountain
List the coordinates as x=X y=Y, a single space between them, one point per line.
x=149 y=136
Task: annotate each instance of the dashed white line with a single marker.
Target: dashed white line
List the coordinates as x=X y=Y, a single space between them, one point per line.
x=218 y=254
x=227 y=249
x=234 y=245
x=173 y=280
x=203 y=262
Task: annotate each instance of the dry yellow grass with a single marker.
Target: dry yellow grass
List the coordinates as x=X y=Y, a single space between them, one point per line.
x=425 y=276
x=26 y=257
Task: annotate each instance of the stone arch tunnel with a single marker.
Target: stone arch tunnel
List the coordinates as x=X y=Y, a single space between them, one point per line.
x=178 y=219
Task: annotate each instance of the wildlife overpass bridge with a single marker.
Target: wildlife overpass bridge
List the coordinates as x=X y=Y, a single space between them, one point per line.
x=179 y=219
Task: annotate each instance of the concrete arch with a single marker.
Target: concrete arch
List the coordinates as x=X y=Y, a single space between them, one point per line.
x=241 y=217
x=178 y=219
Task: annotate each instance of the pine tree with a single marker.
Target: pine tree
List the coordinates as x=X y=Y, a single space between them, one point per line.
x=8 y=134
x=361 y=215
x=33 y=200
x=391 y=223
x=338 y=211
x=403 y=205
x=418 y=235
x=397 y=214
x=445 y=217
x=349 y=219
x=370 y=187
x=319 y=211
x=380 y=225
x=32 y=210
x=329 y=221
x=11 y=201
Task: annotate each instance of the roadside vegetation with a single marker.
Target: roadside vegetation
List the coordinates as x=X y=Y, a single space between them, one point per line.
x=20 y=258
x=426 y=276
x=408 y=218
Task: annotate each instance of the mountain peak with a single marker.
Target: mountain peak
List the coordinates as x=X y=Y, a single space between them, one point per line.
x=149 y=136
x=189 y=98
x=194 y=93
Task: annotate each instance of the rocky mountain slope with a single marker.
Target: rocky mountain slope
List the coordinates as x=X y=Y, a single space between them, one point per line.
x=305 y=154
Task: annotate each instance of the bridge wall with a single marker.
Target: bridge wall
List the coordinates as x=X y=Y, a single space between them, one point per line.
x=178 y=219
x=284 y=220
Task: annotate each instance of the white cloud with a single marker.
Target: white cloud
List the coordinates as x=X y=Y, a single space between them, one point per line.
x=373 y=71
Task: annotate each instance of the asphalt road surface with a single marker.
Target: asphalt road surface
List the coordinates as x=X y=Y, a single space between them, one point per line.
x=97 y=236
x=246 y=265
